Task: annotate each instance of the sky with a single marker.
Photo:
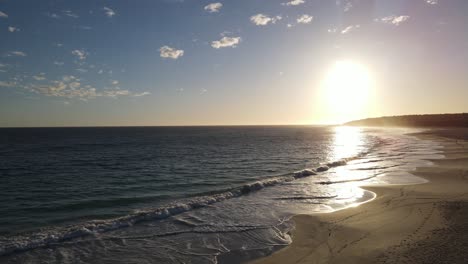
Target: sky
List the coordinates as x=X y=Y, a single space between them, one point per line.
x=237 y=62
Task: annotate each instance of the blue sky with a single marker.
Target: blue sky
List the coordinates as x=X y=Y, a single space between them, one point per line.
x=175 y=62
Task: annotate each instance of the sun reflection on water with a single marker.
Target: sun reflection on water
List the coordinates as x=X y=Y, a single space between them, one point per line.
x=347 y=142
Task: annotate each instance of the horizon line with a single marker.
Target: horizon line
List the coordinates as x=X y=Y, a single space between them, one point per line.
x=129 y=126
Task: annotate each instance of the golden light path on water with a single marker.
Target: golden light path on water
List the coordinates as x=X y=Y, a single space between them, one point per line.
x=392 y=163
x=348 y=142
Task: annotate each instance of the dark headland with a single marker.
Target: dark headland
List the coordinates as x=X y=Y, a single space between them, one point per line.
x=436 y=120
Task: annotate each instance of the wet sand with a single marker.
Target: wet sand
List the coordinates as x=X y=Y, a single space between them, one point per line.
x=425 y=223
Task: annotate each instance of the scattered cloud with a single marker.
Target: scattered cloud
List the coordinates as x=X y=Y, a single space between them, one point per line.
x=85 y=27
x=395 y=20
x=6 y=84
x=263 y=20
x=347 y=6
x=81 y=54
x=349 y=29
x=172 y=53
x=114 y=93
x=59 y=63
x=16 y=54
x=432 y=2
x=109 y=12
x=13 y=29
x=332 y=30
x=70 y=14
x=114 y=82
x=82 y=70
x=66 y=89
x=71 y=87
x=52 y=15
x=225 y=42
x=213 y=7
x=3 y=15
x=141 y=94
x=39 y=77
x=294 y=3
x=59 y=45
x=305 y=19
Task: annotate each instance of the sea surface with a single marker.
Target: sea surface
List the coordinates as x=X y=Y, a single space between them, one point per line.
x=185 y=194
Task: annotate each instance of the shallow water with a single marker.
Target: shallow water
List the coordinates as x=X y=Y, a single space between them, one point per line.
x=192 y=195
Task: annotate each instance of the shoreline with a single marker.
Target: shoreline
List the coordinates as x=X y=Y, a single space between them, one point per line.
x=403 y=224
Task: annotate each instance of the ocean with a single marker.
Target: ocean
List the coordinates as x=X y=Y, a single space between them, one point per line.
x=185 y=194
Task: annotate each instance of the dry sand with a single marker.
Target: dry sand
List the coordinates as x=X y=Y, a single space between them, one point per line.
x=425 y=223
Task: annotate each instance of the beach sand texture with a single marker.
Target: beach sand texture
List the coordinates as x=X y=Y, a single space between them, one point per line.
x=425 y=223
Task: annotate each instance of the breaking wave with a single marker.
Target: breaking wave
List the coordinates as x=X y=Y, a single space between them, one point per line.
x=56 y=235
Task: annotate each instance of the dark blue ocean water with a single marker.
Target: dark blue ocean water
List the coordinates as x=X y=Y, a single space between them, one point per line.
x=55 y=175
x=188 y=185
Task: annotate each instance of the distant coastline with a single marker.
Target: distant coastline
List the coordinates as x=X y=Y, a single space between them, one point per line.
x=433 y=120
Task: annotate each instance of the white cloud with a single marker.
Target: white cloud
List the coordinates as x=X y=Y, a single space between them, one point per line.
x=70 y=14
x=349 y=29
x=82 y=70
x=114 y=93
x=395 y=20
x=109 y=12
x=58 y=63
x=3 y=15
x=39 y=77
x=141 y=94
x=13 y=29
x=331 y=30
x=226 y=42
x=85 y=27
x=348 y=6
x=6 y=84
x=345 y=4
x=305 y=19
x=263 y=20
x=294 y=3
x=16 y=53
x=71 y=87
x=52 y=15
x=69 y=78
x=172 y=53
x=213 y=7
x=81 y=54
x=432 y=2
x=115 y=82
x=66 y=89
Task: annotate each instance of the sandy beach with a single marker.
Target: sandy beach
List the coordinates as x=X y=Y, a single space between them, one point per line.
x=423 y=223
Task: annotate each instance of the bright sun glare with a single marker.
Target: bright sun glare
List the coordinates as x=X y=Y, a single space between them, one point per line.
x=347 y=88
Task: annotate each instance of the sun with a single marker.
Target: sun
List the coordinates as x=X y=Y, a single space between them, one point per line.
x=346 y=91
